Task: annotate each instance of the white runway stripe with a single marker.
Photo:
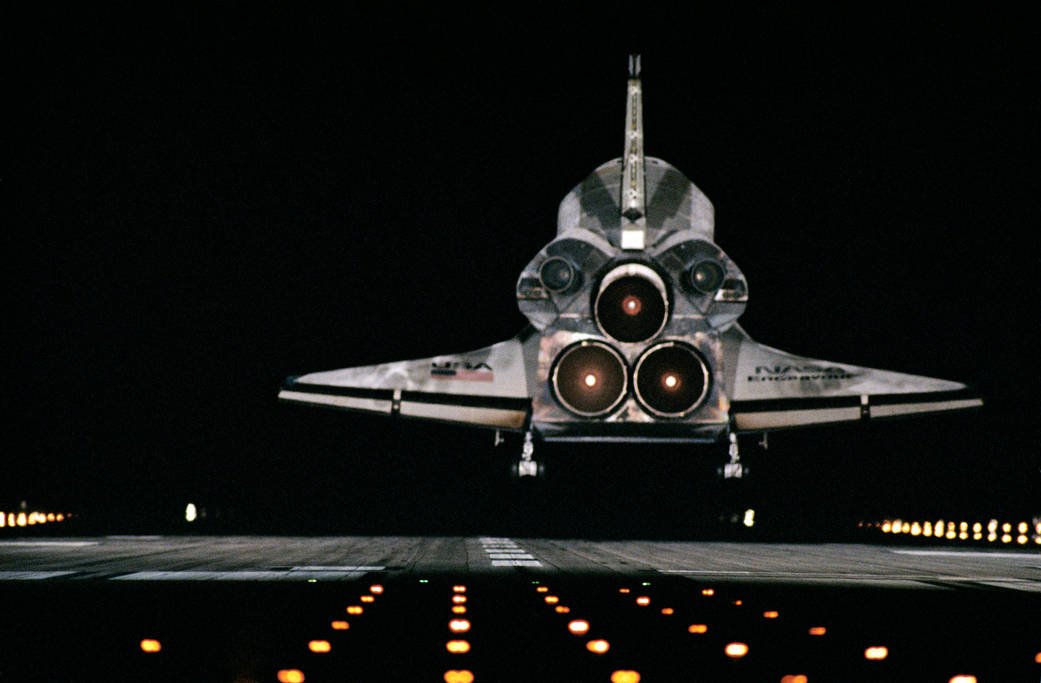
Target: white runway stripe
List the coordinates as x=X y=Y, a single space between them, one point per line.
x=31 y=576
x=47 y=544
x=1033 y=557
x=504 y=552
x=239 y=575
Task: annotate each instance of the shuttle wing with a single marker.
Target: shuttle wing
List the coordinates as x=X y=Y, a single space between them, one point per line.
x=483 y=388
x=770 y=389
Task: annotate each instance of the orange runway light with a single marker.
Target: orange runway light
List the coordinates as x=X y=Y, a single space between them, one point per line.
x=794 y=679
x=459 y=609
x=667 y=610
x=459 y=676
x=876 y=653
x=355 y=609
x=367 y=598
x=319 y=646
x=150 y=646
x=643 y=600
x=697 y=628
x=736 y=650
x=552 y=599
x=563 y=609
x=771 y=614
x=458 y=647
x=340 y=625
x=458 y=599
x=59 y=517
x=578 y=627
x=377 y=589
x=818 y=631
x=962 y=678
x=291 y=676
x=625 y=677
x=738 y=603
x=598 y=647
x=1037 y=658
x=623 y=590
x=459 y=625
x=708 y=591
x=542 y=589
x=459 y=589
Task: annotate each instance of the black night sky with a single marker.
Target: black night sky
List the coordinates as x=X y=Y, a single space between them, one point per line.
x=201 y=202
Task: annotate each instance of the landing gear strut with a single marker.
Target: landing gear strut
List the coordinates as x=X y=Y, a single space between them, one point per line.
x=527 y=466
x=733 y=469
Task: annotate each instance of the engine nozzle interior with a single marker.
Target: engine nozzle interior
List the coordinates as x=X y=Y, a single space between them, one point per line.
x=670 y=379
x=590 y=378
x=632 y=304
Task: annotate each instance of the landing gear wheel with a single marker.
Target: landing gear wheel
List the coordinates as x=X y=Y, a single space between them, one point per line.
x=734 y=469
x=527 y=467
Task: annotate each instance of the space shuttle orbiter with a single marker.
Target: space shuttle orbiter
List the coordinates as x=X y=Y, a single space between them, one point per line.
x=633 y=336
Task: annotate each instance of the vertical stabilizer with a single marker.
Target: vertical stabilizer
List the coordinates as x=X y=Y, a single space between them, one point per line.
x=633 y=191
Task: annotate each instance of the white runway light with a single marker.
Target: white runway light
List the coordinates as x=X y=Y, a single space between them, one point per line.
x=190 y=513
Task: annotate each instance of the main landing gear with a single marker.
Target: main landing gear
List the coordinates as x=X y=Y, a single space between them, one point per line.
x=734 y=469
x=527 y=466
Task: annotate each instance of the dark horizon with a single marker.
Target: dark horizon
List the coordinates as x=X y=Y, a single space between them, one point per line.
x=207 y=203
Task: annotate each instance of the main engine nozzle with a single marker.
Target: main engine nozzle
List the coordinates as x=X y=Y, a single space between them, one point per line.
x=670 y=379
x=590 y=378
x=632 y=304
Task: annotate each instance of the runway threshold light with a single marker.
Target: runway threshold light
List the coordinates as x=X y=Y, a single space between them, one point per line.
x=458 y=647
x=151 y=646
x=736 y=650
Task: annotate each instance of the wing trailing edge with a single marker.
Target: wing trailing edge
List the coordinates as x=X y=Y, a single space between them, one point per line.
x=770 y=389
x=483 y=388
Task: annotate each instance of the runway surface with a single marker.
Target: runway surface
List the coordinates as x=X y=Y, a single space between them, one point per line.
x=296 y=558
x=251 y=608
